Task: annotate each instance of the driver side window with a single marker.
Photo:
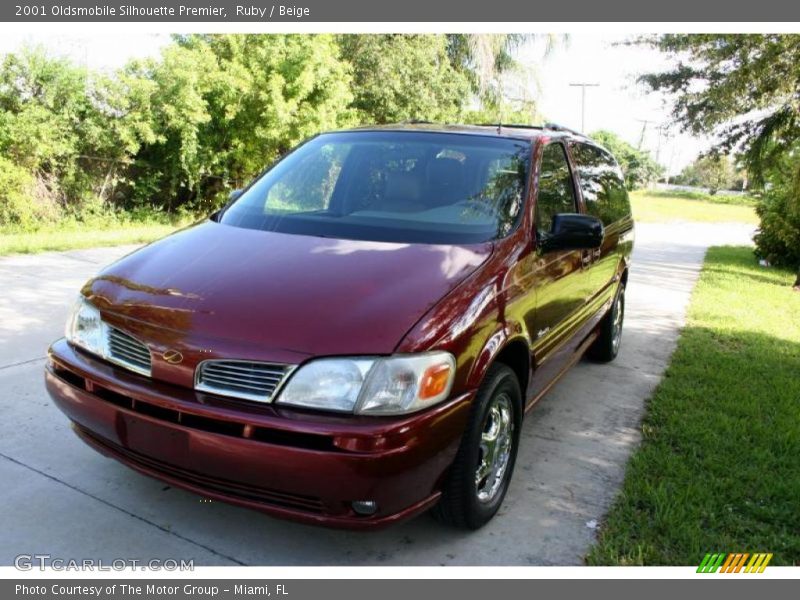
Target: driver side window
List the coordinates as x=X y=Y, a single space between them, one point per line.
x=556 y=190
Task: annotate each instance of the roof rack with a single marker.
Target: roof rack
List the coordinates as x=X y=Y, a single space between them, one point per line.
x=557 y=127
x=550 y=126
x=509 y=125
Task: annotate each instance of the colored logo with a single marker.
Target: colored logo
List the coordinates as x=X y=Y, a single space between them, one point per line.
x=173 y=357
x=735 y=562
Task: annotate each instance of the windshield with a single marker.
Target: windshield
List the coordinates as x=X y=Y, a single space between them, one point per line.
x=435 y=188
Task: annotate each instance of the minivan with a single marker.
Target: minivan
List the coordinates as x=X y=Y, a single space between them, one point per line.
x=355 y=338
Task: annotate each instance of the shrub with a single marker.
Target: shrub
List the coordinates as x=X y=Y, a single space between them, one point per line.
x=17 y=193
x=778 y=237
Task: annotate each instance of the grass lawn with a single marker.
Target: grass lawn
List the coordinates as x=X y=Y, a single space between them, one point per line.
x=719 y=466
x=718 y=198
x=660 y=207
x=76 y=236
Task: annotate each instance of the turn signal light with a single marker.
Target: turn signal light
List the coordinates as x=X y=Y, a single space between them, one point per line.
x=434 y=381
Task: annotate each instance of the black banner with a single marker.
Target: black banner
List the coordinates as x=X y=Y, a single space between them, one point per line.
x=400 y=589
x=407 y=11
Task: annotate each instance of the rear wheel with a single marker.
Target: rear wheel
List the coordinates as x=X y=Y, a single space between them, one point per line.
x=606 y=347
x=479 y=477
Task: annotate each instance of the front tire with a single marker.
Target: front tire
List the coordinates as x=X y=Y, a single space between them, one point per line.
x=480 y=474
x=606 y=347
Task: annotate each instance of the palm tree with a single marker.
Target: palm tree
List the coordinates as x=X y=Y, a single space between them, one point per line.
x=489 y=59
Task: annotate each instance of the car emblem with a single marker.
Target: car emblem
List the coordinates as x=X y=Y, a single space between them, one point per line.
x=173 y=357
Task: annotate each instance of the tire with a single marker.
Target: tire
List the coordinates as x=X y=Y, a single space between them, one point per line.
x=466 y=502
x=606 y=347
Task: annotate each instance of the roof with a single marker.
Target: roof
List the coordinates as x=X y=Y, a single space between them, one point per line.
x=525 y=132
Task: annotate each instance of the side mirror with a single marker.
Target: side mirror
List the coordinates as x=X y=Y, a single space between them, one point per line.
x=234 y=195
x=573 y=232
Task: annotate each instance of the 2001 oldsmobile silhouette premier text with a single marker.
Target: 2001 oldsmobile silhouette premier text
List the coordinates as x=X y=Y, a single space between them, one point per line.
x=355 y=338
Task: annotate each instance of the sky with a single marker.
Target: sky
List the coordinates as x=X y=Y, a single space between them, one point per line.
x=618 y=103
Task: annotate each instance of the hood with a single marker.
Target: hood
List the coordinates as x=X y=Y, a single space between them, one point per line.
x=224 y=291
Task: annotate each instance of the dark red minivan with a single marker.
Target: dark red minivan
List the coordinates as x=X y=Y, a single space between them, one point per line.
x=355 y=338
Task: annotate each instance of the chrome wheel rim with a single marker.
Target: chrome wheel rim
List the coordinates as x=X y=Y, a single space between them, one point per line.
x=497 y=438
x=619 y=315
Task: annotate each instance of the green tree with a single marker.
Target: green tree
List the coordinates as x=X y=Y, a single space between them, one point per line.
x=778 y=237
x=744 y=89
x=62 y=129
x=485 y=57
x=403 y=77
x=714 y=171
x=688 y=176
x=179 y=130
x=500 y=82
x=639 y=167
x=224 y=106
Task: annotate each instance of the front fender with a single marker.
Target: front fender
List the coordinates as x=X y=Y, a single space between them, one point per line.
x=501 y=340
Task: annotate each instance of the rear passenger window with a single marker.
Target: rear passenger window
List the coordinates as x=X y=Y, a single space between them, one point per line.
x=556 y=192
x=602 y=183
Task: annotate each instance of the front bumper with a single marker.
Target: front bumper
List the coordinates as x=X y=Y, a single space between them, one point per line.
x=303 y=466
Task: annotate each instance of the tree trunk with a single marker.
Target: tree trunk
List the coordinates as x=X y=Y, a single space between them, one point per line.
x=109 y=175
x=796 y=286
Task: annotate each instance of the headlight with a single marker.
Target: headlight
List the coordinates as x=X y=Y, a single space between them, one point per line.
x=86 y=329
x=376 y=386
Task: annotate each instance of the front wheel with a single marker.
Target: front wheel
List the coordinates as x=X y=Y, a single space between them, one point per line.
x=480 y=474
x=606 y=347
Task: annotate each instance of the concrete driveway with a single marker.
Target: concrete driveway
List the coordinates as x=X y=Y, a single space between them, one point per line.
x=59 y=497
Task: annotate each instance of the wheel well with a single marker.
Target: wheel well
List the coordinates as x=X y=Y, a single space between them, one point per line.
x=517 y=356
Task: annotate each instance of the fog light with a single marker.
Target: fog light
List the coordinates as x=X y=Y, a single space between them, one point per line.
x=365 y=507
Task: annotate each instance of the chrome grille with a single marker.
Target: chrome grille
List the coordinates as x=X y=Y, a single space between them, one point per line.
x=128 y=352
x=240 y=379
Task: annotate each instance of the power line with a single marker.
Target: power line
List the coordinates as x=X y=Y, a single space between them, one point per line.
x=583 y=87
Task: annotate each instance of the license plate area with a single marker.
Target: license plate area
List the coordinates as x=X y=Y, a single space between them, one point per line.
x=168 y=444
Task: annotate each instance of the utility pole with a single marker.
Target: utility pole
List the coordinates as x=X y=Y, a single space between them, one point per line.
x=583 y=87
x=663 y=133
x=645 y=123
x=658 y=145
x=671 y=162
